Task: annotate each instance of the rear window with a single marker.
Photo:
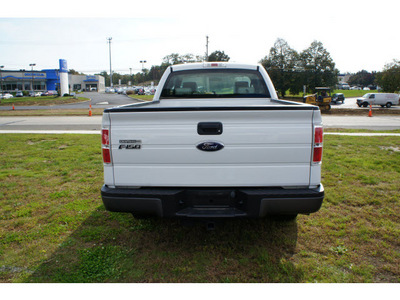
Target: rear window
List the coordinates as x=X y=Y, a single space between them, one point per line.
x=227 y=83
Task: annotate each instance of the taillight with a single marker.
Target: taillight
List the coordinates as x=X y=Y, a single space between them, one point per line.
x=318 y=134
x=317 y=147
x=106 y=155
x=105 y=141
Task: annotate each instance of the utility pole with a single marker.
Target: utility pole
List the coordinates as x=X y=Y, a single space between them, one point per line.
x=206 y=47
x=32 y=65
x=143 y=62
x=1 y=82
x=109 y=47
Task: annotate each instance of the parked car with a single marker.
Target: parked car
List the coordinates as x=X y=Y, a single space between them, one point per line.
x=338 y=97
x=47 y=93
x=19 y=94
x=35 y=94
x=7 y=96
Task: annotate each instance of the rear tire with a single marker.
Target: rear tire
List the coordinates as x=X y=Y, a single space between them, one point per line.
x=388 y=105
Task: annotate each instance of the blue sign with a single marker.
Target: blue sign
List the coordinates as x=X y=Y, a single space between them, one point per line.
x=91 y=78
x=34 y=74
x=63 y=66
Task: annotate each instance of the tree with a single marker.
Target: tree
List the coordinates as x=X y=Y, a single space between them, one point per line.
x=362 y=78
x=73 y=72
x=175 y=59
x=281 y=65
x=318 y=66
x=106 y=77
x=218 y=56
x=389 y=78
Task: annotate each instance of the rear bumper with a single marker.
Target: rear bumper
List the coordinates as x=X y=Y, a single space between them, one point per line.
x=213 y=202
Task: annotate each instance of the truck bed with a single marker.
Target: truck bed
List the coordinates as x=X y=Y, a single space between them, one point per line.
x=212 y=104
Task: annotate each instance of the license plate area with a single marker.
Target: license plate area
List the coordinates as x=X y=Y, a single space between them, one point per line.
x=210 y=198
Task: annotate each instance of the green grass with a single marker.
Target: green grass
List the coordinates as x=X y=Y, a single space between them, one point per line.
x=353 y=93
x=51 y=112
x=43 y=100
x=54 y=228
x=142 y=97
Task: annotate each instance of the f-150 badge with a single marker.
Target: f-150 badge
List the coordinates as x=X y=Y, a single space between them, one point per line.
x=130 y=144
x=210 y=146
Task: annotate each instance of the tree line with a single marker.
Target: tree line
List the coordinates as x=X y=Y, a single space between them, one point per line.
x=290 y=70
x=155 y=72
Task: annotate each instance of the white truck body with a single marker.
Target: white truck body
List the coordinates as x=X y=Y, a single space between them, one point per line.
x=382 y=99
x=212 y=150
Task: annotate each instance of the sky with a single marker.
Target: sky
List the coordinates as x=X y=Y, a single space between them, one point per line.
x=357 y=34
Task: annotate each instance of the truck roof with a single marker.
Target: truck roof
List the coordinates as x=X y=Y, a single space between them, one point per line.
x=212 y=65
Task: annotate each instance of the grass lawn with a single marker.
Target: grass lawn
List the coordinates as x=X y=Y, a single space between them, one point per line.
x=51 y=112
x=43 y=100
x=142 y=97
x=54 y=228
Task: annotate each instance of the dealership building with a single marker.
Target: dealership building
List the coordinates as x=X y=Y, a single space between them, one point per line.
x=49 y=80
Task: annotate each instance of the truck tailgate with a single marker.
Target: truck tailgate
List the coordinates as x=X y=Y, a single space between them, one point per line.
x=260 y=148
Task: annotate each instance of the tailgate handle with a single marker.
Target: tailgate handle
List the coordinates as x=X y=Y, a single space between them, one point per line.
x=209 y=128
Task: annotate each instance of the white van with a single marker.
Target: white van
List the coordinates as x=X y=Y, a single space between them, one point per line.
x=382 y=99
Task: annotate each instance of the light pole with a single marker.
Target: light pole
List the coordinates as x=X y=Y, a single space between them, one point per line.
x=1 y=82
x=32 y=65
x=143 y=62
x=109 y=47
x=207 y=48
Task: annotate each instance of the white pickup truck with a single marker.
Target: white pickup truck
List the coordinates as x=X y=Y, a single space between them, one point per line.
x=214 y=142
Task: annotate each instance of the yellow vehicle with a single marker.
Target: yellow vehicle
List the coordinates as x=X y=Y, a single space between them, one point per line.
x=321 y=98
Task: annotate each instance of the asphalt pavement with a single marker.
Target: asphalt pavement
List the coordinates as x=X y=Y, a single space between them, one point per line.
x=97 y=100
x=62 y=123
x=103 y=100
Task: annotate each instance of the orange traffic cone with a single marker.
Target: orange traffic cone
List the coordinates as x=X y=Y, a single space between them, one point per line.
x=13 y=107
x=90 y=110
x=370 y=111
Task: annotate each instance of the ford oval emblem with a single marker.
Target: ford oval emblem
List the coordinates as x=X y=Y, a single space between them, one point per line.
x=210 y=146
